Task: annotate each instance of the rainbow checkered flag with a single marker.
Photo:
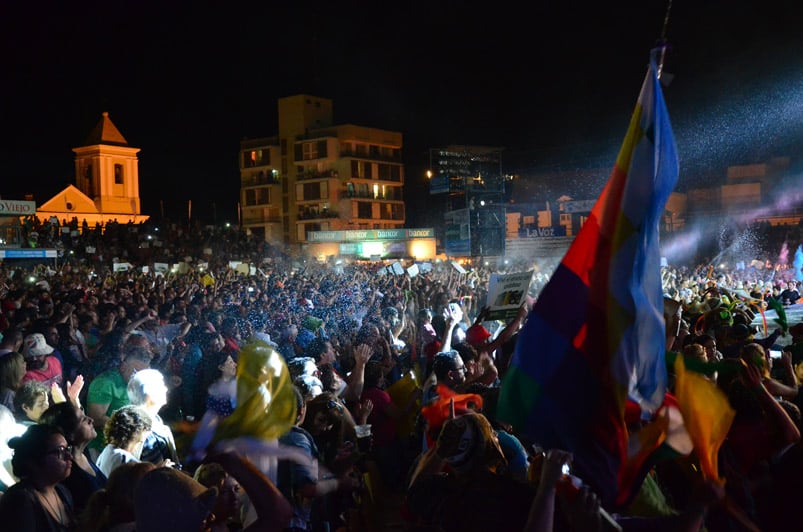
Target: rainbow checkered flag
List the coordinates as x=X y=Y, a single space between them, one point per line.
x=596 y=334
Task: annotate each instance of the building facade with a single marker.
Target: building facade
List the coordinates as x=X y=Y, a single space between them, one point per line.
x=318 y=176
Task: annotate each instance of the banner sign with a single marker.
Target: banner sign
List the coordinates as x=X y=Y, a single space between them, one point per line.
x=457 y=233
x=36 y=253
x=17 y=208
x=369 y=234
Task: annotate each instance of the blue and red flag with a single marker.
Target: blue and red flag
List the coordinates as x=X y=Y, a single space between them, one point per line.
x=596 y=334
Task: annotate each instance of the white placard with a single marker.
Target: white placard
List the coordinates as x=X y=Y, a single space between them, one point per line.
x=506 y=293
x=412 y=271
x=160 y=267
x=121 y=266
x=457 y=267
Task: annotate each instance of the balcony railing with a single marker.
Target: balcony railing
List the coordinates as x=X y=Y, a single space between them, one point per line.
x=315 y=214
x=371 y=156
x=247 y=220
x=354 y=194
x=259 y=180
x=327 y=174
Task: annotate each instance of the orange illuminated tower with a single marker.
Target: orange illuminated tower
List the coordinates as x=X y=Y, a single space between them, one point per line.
x=106 y=181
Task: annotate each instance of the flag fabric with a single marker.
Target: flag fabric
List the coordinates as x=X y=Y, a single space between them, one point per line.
x=596 y=334
x=664 y=437
x=707 y=416
x=266 y=403
x=438 y=411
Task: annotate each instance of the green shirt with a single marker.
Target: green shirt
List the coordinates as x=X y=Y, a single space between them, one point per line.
x=107 y=388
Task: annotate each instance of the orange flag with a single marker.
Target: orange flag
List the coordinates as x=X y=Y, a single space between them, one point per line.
x=707 y=416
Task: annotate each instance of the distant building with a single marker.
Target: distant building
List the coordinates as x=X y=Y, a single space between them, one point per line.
x=751 y=193
x=106 y=181
x=316 y=176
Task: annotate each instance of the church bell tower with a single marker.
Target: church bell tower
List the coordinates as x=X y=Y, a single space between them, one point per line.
x=107 y=170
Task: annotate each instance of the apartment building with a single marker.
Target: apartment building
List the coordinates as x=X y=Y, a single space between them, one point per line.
x=318 y=176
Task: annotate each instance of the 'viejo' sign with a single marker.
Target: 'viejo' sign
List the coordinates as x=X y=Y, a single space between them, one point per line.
x=17 y=208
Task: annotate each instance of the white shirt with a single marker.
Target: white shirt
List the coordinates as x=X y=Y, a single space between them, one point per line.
x=112 y=457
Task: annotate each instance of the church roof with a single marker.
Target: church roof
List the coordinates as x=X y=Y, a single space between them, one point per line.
x=106 y=132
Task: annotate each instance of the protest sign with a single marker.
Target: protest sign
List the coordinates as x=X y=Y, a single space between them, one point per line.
x=506 y=293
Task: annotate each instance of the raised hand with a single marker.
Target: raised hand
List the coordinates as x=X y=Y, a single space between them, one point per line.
x=362 y=354
x=74 y=390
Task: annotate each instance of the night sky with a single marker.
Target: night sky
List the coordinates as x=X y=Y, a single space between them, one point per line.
x=554 y=84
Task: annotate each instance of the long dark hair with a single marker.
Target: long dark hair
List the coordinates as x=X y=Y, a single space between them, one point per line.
x=210 y=368
x=338 y=416
x=64 y=416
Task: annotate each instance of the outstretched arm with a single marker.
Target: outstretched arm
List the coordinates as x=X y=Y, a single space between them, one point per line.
x=273 y=510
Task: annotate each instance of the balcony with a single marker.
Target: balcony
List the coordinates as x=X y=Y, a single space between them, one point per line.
x=253 y=220
x=261 y=179
x=327 y=174
x=312 y=213
x=371 y=156
x=369 y=195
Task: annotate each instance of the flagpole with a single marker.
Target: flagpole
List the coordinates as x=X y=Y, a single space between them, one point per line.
x=663 y=40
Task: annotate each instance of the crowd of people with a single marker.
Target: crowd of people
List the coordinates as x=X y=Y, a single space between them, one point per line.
x=106 y=372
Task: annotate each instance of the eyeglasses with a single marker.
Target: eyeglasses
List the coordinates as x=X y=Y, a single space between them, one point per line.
x=62 y=452
x=330 y=404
